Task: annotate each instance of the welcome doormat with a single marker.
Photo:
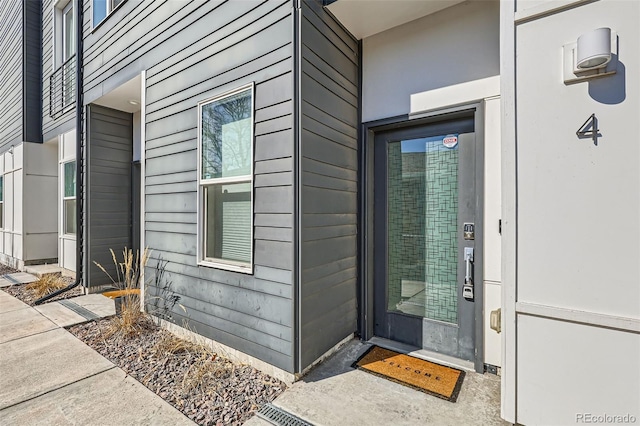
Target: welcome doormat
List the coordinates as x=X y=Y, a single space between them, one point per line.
x=434 y=379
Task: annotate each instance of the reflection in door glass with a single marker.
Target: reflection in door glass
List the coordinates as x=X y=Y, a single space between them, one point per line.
x=422 y=215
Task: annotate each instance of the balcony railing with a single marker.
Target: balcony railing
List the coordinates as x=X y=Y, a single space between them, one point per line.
x=62 y=88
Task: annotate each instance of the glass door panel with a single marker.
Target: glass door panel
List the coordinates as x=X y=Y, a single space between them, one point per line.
x=422 y=223
x=424 y=197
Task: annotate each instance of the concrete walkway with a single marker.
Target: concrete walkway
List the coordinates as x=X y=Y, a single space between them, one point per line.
x=336 y=394
x=16 y=278
x=47 y=376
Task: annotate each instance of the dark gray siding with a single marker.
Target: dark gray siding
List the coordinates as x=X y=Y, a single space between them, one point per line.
x=32 y=66
x=10 y=73
x=109 y=153
x=192 y=51
x=329 y=166
x=66 y=122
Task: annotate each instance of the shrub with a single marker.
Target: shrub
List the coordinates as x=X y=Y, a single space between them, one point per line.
x=47 y=284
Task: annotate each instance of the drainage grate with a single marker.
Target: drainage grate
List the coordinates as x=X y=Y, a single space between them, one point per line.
x=279 y=417
x=83 y=312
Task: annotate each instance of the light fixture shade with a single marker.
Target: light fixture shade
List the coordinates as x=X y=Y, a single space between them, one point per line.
x=594 y=49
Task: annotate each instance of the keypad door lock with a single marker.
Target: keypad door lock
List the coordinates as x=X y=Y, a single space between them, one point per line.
x=467 y=288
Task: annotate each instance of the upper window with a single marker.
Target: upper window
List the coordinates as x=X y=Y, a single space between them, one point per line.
x=62 y=80
x=65 y=31
x=68 y=32
x=102 y=8
x=226 y=180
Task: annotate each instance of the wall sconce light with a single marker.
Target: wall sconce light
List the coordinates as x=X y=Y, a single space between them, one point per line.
x=594 y=54
x=594 y=49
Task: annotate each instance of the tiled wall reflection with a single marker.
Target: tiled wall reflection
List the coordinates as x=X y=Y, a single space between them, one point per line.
x=422 y=198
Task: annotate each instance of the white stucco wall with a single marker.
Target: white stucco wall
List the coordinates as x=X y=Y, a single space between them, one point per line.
x=578 y=220
x=454 y=46
x=29 y=231
x=40 y=202
x=492 y=237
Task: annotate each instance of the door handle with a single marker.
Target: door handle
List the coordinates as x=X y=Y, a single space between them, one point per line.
x=467 y=288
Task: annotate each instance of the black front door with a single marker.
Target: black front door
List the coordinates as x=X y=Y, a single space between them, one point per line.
x=424 y=201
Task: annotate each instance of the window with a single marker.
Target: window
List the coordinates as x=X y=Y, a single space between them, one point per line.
x=69 y=198
x=1 y=202
x=102 y=8
x=225 y=180
x=68 y=32
x=68 y=51
x=62 y=80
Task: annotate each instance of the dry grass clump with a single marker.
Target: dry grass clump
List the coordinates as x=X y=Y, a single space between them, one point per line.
x=207 y=373
x=207 y=369
x=170 y=344
x=46 y=285
x=131 y=320
x=127 y=271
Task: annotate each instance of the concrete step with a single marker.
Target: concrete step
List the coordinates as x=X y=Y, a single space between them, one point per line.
x=41 y=270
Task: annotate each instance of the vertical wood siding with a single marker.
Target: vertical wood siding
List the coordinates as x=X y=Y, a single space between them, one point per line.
x=10 y=73
x=329 y=168
x=191 y=51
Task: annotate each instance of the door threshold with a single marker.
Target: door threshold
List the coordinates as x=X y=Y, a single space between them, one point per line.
x=423 y=354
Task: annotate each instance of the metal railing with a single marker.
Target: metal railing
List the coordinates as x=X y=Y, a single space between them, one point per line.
x=62 y=88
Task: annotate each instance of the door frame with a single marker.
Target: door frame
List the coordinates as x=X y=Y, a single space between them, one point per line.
x=366 y=210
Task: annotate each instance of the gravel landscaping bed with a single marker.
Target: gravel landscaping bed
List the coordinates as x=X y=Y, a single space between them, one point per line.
x=4 y=269
x=207 y=388
x=20 y=291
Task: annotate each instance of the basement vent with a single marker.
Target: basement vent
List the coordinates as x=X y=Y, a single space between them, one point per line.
x=83 y=312
x=279 y=417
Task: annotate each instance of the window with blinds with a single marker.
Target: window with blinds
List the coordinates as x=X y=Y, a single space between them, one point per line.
x=225 y=152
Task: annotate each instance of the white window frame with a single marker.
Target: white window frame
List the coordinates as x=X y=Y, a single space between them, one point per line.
x=221 y=263
x=59 y=9
x=65 y=198
x=110 y=10
x=68 y=8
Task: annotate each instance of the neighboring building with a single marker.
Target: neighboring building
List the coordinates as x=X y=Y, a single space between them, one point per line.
x=27 y=176
x=385 y=169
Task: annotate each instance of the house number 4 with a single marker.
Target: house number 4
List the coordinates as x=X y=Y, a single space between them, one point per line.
x=589 y=129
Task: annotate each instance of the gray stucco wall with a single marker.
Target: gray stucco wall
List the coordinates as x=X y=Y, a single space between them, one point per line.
x=192 y=51
x=10 y=73
x=329 y=167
